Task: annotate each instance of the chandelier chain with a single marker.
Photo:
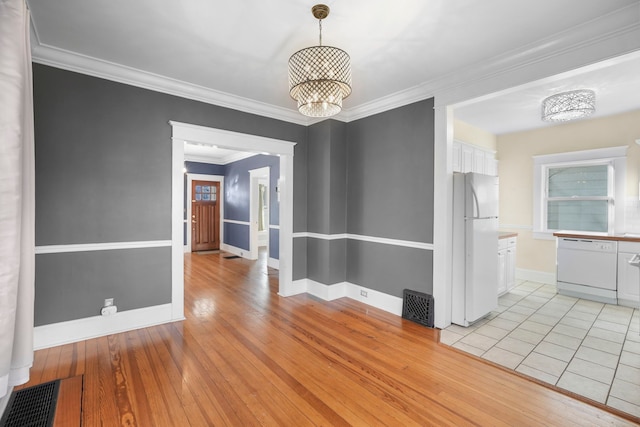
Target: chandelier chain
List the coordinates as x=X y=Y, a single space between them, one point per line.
x=320 y=26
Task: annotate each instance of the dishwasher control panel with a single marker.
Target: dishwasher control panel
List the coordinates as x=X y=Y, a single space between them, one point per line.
x=588 y=245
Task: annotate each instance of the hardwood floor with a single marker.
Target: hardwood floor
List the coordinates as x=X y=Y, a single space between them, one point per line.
x=246 y=356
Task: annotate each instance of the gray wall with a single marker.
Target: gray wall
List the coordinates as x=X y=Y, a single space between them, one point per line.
x=326 y=201
x=390 y=195
x=372 y=177
x=103 y=174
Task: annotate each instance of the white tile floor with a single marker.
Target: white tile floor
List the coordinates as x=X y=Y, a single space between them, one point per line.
x=586 y=347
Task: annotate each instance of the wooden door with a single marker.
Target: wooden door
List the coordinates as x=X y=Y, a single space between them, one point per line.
x=205 y=215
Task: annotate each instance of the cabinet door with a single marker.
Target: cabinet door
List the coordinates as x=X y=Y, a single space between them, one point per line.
x=511 y=267
x=478 y=161
x=502 y=271
x=466 y=158
x=628 y=280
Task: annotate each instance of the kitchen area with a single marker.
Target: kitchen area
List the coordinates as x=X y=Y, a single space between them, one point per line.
x=567 y=302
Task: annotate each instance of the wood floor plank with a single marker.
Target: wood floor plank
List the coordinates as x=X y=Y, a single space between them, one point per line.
x=246 y=356
x=69 y=405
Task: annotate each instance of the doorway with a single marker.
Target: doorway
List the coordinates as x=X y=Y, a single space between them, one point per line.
x=182 y=132
x=259 y=210
x=205 y=215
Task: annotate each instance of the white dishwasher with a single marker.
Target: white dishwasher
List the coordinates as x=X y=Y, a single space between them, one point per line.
x=587 y=268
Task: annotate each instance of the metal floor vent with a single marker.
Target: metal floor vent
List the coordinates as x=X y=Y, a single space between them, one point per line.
x=417 y=307
x=32 y=407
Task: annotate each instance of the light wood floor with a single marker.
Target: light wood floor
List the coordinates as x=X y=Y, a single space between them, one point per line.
x=246 y=356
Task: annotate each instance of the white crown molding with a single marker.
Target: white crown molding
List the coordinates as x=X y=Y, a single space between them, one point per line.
x=67 y=60
x=606 y=37
x=603 y=35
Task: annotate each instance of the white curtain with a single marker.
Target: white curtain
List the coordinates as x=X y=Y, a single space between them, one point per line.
x=17 y=197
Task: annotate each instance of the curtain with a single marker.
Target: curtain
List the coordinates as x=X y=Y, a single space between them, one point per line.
x=17 y=196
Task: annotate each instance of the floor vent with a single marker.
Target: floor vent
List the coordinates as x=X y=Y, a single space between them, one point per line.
x=417 y=307
x=32 y=407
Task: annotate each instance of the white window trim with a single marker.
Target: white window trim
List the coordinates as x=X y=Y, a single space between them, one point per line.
x=613 y=155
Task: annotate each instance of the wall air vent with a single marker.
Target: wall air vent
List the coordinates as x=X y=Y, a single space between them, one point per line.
x=417 y=307
x=34 y=406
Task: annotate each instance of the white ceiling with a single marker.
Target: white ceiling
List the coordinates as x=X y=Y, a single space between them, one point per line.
x=615 y=82
x=236 y=52
x=205 y=153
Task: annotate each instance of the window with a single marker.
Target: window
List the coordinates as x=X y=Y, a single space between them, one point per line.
x=577 y=191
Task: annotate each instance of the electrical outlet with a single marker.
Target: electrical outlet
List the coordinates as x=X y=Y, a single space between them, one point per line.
x=363 y=293
x=109 y=310
x=108 y=302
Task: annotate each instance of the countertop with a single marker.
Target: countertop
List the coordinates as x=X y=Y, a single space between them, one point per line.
x=506 y=234
x=623 y=237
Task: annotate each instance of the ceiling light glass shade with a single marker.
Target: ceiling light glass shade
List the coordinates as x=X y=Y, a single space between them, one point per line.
x=319 y=79
x=566 y=106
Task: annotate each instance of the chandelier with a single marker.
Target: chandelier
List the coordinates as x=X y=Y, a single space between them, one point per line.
x=319 y=76
x=566 y=106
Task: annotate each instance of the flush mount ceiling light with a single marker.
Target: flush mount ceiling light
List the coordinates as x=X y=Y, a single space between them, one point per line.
x=320 y=76
x=571 y=105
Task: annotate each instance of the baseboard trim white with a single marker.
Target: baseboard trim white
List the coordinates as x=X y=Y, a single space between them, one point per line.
x=273 y=263
x=386 y=302
x=235 y=250
x=536 y=276
x=72 y=331
x=628 y=303
x=297 y=287
x=327 y=292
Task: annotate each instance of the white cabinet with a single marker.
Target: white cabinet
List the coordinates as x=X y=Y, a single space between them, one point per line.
x=502 y=269
x=469 y=158
x=506 y=264
x=628 y=275
x=511 y=263
x=466 y=158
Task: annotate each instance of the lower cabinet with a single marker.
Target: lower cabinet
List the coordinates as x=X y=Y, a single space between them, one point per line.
x=628 y=275
x=506 y=264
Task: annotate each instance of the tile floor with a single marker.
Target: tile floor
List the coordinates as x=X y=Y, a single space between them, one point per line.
x=587 y=347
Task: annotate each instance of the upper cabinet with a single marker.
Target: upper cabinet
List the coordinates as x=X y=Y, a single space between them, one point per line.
x=471 y=158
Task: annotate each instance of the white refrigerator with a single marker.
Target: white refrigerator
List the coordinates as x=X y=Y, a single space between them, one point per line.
x=475 y=247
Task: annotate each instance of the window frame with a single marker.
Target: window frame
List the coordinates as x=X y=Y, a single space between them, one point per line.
x=614 y=157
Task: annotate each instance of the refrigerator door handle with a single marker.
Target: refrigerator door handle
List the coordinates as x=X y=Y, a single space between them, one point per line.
x=474 y=196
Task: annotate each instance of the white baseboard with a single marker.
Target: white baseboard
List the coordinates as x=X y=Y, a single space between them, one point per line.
x=536 y=276
x=273 y=263
x=297 y=287
x=92 y=327
x=186 y=249
x=326 y=292
x=386 y=302
x=628 y=303
x=235 y=250
x=374 y=298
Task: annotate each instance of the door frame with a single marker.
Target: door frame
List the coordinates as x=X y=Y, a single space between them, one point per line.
x=181 y=132
x=254 y=176
x=202 y=177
